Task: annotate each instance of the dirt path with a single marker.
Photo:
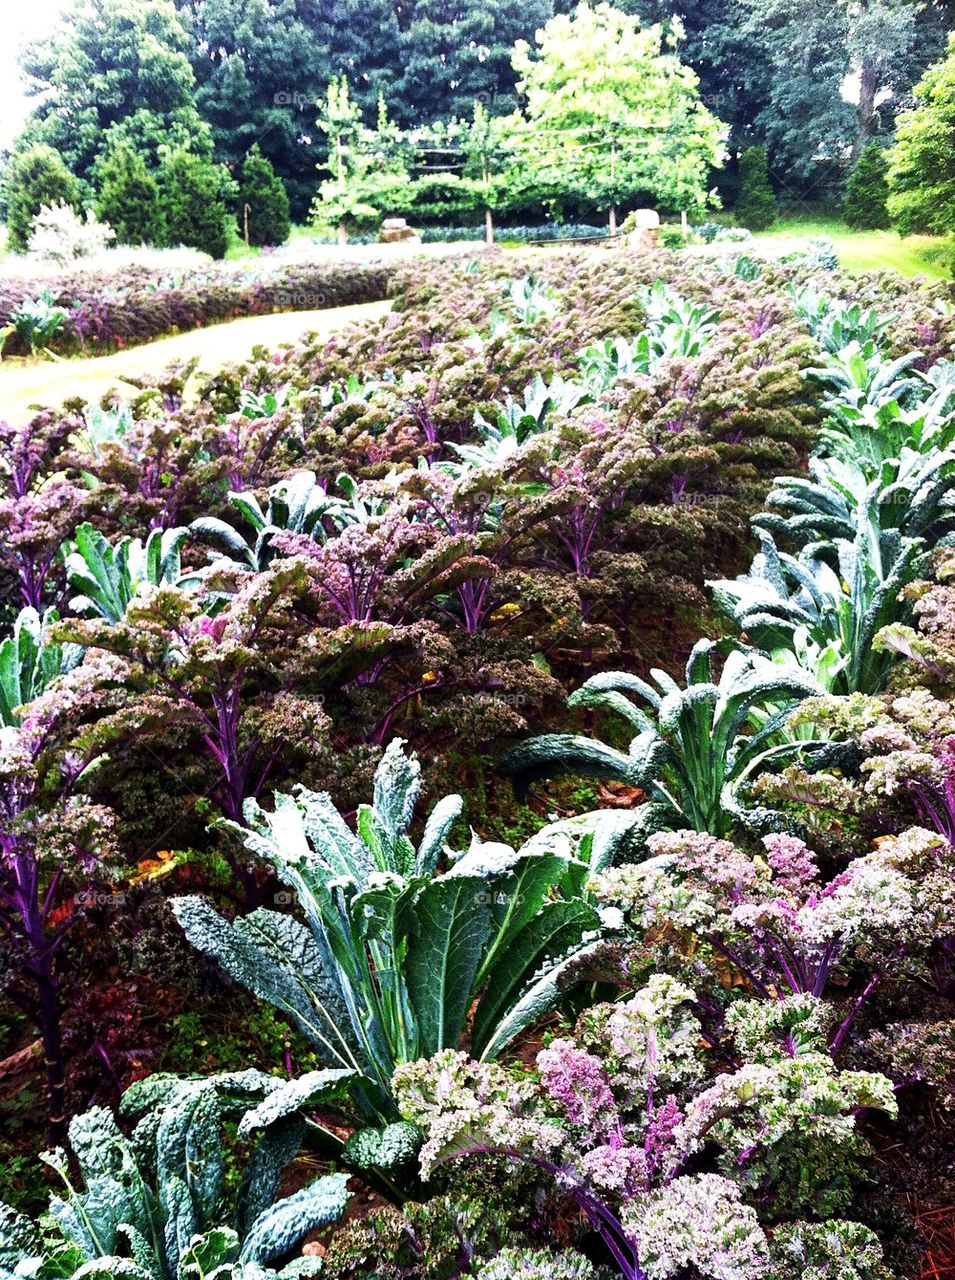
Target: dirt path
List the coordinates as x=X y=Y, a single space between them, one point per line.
x=24 y=386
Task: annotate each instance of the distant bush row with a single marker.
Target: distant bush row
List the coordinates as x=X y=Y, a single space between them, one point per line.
x=520 y=234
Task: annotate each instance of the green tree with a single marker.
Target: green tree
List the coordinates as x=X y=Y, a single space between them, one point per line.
x=867 y=191
x=263 y=201
x=612 y=115
x=368 y=167
x=112 y=63
x=35 y=177
x=733 y=65
x=129 y=197
x=756 y=204
x=194 y=197
x=921 y=174
x=362 y=42
x=808 y=127
x=452 y=55
x=259 y=65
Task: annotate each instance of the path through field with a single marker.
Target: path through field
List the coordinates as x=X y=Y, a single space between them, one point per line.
x=48 y=383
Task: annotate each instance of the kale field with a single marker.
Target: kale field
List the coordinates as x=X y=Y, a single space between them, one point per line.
x=477 y=791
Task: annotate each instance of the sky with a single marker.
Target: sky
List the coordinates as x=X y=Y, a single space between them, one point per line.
x=21 y=20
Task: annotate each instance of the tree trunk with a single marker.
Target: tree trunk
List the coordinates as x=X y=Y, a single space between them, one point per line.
x=613 y=220
x=868 y=86
x=488 y=227
x=342 y=233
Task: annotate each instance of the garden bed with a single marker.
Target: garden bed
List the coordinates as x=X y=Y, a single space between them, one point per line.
x=657 y=980
x=107 y=311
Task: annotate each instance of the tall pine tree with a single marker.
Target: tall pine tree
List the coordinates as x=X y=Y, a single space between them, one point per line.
x=867 y=191
x=263 y=202
x=755 y=203
x=129 y=197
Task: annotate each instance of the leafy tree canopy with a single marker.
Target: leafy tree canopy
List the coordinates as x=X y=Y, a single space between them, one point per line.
x=260 y=66
x=921 y=174
x=612 y=113
x=810 y=129
x=114 y=64
x=453 y=53
x=734 y=67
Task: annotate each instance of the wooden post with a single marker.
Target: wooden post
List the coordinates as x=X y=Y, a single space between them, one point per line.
x=245 y=224
x=488 y=220
x=613 y=179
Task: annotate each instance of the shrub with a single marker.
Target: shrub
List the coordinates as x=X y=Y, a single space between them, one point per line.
x=867 y=191
x=716 y=233
x=264 y=200
x=193 y=197
x=549 y=231
x=129 y=198
x=60 y=235
x=756 y=203
x=35 y=178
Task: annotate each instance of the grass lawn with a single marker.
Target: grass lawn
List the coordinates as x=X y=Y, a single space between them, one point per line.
x=867 y=250
x=238 y=249
x=29 y=383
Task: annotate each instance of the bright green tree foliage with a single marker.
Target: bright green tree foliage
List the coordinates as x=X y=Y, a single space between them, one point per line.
x=612 y=114
x=733 y=65
x=921 y=173
x=368 y=167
